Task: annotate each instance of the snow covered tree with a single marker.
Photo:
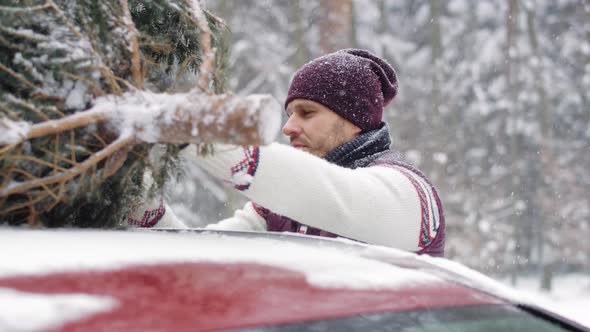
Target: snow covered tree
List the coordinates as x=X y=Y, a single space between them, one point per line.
x=87 y=88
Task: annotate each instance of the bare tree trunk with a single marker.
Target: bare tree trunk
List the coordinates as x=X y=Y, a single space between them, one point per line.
x=547 y=157
x=436 y=55
x=547 y=276
x=336 y=27
x=383 y=28
x=301 y=55
x=193 y=117
x=224 y=9
x=434 y=125
x=353 y=34
x=511 y=17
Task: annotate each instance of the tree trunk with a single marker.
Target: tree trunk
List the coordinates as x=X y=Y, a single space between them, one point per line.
x=547 y=277
x=382 y=29
x=176 y=119
x=301 y=55
x=434 y=126
x=547 y=157
x=436 y=53
x=353 y=31
x=511 y=17
x=336 y=25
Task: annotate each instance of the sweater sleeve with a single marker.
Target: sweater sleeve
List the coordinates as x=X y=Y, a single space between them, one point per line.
x=154 y=214
x=245 y=219
x=378 y=205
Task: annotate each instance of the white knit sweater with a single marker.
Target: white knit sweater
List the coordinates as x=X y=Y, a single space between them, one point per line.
x=377 y=205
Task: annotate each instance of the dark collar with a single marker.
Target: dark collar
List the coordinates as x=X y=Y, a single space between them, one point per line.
x=362 y=150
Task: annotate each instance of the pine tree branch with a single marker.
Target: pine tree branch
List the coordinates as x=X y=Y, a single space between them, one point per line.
x=208 y=62
x=29 y=203
x=65 y=19
x=29 y=107
x=18 y=77
x=19 y=10
x=30 y=36
x=111 y=78
x=41 y=184
x=114 y=162
x=94 y=159
x=9 y=45
x=133 y=40
x=142 y=117
x=39 y=161
x=95 y=88
x=70 y=122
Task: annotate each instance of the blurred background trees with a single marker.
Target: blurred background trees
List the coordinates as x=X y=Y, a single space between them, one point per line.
x=493 y=106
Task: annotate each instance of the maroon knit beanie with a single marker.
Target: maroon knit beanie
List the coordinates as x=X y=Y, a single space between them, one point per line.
x=355 y=84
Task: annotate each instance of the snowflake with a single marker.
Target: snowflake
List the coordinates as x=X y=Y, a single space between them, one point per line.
x=140 y=7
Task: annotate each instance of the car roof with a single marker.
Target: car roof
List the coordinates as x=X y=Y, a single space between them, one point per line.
x=220 y=280
x=435 y=266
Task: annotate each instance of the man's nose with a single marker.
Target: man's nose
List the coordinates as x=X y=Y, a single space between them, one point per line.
x=292 y=127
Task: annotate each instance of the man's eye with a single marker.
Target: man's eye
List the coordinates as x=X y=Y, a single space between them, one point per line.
x=307 y=113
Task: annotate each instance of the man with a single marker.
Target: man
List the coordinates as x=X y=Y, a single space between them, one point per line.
x=339 y=176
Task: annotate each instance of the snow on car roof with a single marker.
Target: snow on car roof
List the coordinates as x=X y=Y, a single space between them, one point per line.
x=42 y=252
x=74 y=277
x=325 y=263
x=23 y=311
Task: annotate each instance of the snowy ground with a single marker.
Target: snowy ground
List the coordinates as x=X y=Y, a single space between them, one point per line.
x=569 y=297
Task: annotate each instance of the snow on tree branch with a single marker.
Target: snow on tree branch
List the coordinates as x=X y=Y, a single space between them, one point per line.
x=13 y=132
x=167 y=118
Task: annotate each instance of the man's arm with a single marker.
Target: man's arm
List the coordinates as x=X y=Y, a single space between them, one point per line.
x=154 y=213
x=245 y=219
x=157 y=214
x=378 y=205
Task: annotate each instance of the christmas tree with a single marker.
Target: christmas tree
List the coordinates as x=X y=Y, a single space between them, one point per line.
x=87 y=88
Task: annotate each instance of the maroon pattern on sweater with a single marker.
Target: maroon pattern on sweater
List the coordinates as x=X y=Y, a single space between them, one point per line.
x=150 y=217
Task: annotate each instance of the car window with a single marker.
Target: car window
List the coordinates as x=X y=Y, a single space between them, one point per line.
x=457 y=319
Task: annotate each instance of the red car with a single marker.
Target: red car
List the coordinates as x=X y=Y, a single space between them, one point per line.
x=209 y=281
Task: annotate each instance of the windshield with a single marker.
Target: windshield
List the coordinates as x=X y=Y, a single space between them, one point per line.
x=456 y=319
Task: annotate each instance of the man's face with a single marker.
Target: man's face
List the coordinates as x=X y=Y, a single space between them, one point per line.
x=314 y=128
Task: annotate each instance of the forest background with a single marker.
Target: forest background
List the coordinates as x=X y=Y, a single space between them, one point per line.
x=493 y=106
